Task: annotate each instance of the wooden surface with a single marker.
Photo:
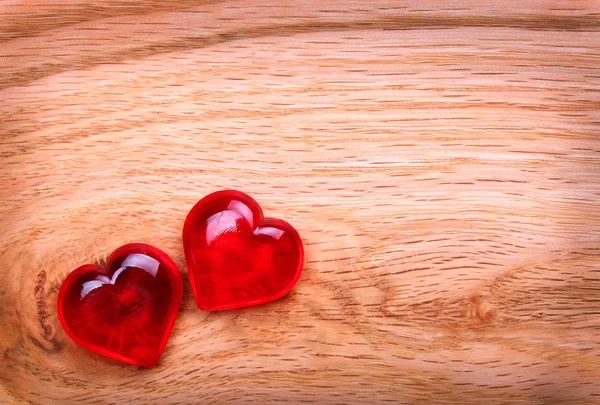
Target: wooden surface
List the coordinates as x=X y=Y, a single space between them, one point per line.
x=441 y=161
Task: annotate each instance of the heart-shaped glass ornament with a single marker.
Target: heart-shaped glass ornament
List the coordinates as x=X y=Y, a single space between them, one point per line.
x=126 y=309
x=236 y=257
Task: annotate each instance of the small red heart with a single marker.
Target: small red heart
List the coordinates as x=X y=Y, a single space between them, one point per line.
x=125 y=310
x=237 y=258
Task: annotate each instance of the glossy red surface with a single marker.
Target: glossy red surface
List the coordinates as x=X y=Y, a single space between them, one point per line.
x=125 y=310
x=237 y=258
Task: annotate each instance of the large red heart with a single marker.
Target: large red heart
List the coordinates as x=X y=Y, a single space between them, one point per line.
x=125 y=310
x=235 y=257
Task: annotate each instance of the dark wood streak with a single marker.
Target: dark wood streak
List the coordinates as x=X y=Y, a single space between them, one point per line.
x=53 y=16
x=88 y=60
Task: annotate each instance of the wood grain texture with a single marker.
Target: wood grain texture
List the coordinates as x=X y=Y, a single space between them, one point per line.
x=441 y=161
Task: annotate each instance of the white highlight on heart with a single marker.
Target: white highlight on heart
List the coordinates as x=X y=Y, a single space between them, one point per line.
x=144 y=262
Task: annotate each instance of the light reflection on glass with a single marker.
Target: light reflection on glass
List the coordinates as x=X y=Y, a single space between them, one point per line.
x=220 y=223
x=146 y=263
x=270 y=231
x=243 y=209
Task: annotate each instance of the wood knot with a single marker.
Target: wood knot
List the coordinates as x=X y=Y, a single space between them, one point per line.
x=480 y=309
x=39 y=293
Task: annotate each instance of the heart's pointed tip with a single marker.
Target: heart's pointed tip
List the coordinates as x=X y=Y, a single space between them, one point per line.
x=151 y=364
x=143 y=362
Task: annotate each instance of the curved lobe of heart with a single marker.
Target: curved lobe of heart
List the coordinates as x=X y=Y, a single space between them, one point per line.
x=126 y=310
x=237 y=258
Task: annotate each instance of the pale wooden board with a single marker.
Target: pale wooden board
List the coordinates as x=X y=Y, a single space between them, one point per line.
x=441 y=161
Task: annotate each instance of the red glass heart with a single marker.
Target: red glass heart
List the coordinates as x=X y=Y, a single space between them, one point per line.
x=237 y=258
x=125 y=310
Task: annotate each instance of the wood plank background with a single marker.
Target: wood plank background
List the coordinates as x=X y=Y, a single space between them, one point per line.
x=440 y=159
